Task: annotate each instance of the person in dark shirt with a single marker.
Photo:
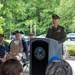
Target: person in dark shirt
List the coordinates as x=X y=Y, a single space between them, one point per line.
x=56 y=32
x=3 y=54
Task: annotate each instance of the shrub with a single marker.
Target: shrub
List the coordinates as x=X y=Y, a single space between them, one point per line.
x=71 y=50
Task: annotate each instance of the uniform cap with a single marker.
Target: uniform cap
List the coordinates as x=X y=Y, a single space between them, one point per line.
x=55 y=16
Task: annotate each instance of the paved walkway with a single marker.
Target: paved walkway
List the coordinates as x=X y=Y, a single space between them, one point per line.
x=72 y=64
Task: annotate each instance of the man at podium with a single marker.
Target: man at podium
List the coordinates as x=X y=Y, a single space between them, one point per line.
x=56 y=32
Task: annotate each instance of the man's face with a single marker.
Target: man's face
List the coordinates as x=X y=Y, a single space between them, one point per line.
x=55 y=21
x=1 y=38
x=32 y=36
x=18 y=36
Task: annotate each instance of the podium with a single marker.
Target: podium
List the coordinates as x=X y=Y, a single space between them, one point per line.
x=41 y=51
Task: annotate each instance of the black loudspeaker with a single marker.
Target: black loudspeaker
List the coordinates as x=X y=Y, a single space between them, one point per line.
x=41 y=50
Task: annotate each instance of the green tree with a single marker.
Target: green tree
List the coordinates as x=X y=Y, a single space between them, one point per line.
x=13 y=12
x=41 y=11
x=1 y=21
x=18 y=14
x=67 y=13
x=1 y=30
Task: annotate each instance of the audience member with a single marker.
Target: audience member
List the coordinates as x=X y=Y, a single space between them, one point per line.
x=30 y=36
x=11 y=67
x=58 y=67
x=3 y=54
x=18 y=45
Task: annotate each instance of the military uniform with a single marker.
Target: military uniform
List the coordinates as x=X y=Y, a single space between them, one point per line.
x=58 y=33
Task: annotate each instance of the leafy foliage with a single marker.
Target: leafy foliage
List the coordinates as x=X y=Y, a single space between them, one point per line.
x=67 y=13
x=18 y=14
x=71 y=50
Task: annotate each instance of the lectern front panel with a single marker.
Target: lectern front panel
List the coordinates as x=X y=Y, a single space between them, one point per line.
x=39 y=57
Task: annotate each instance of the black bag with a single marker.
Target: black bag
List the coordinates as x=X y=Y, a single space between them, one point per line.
x=58 y=67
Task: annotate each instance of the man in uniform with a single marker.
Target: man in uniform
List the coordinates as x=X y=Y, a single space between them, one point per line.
x=56 y=32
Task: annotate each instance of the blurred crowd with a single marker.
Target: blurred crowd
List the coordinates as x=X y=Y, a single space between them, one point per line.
x=16 y=52
x=18 y=47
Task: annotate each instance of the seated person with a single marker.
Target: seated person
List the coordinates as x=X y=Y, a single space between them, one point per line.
x=18 y=45
x=3 y=54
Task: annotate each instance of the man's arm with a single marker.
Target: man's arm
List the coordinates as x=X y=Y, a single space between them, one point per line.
x=63 y=34
x=49 y=32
